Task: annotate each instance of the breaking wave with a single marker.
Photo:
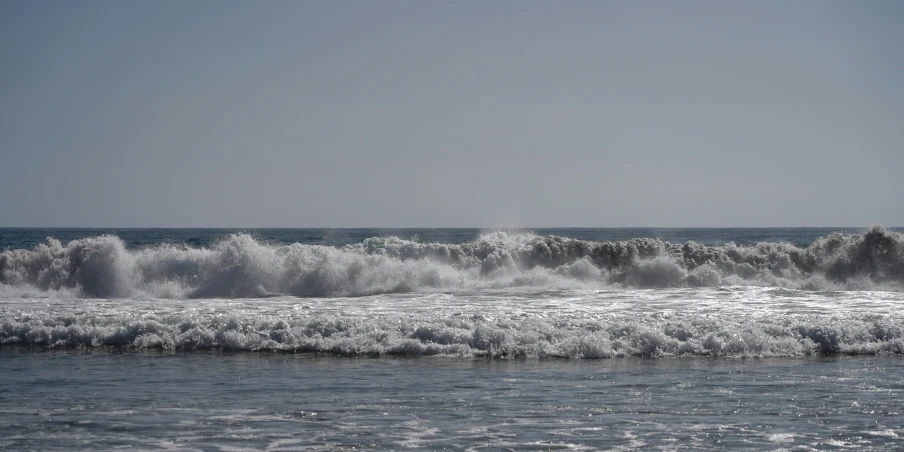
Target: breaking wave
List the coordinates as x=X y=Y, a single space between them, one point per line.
x=238 y=265
x=470 y=335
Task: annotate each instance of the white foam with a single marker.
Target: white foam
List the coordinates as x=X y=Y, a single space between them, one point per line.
x=735 y=322
x=240 y=266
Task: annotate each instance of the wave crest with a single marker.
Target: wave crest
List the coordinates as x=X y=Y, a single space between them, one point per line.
x=240 y=266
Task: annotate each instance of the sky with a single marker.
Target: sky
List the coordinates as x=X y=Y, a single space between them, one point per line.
x=451 y=113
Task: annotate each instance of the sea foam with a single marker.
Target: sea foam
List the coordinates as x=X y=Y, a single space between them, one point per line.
x=238 y=265
x=468 y=335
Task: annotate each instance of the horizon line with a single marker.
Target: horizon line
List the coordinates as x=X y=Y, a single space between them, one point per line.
x=448 y=227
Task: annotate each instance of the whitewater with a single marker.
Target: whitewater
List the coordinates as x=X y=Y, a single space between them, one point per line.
x=240 y=266
x=465 y=339
x=506 y=293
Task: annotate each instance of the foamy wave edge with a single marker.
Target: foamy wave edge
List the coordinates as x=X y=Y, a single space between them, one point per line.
x=470 y=336
x=240 y=266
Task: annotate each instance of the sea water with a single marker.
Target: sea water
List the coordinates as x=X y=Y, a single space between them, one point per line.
x=452 y=338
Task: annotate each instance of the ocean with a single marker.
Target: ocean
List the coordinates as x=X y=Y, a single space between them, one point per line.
x=462 y=339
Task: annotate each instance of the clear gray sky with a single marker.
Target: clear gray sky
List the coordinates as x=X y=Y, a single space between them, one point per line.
x=452 y=113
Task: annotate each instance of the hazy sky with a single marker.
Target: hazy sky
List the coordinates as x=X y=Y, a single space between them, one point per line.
x=453 y=113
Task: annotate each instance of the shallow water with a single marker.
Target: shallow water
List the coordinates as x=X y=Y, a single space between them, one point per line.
x=61 y=399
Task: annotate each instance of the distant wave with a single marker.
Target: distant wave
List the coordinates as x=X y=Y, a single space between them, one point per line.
x=240 y=266
x=470 y=336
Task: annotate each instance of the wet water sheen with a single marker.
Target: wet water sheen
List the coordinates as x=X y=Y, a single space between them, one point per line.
x=104 y=399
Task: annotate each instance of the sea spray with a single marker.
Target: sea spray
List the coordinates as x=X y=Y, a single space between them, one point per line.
x=238 y=265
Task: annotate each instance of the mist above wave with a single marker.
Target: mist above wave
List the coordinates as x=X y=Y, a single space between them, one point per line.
x=238 y=265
